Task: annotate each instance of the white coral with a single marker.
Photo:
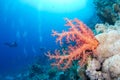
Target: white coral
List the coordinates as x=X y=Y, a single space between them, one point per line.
x=109 y=44
x=112 y=66
x=91 y=70
x=109 y=54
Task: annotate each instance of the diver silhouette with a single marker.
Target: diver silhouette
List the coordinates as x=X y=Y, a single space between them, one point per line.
x=11 y=44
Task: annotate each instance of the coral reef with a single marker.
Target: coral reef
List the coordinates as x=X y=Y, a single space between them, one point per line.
x=108 y=10
x=100 y=53
x=35 y=69
x=52 y=73
x=84 y=44
x=37 y=72
x=98 y=56
x=106 y=66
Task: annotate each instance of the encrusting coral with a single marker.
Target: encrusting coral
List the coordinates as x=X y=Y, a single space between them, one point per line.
x=85 y=44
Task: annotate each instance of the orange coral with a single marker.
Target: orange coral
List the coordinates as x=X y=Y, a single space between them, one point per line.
x=85 y=44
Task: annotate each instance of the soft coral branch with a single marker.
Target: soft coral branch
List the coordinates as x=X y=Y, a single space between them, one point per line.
x=85 y=44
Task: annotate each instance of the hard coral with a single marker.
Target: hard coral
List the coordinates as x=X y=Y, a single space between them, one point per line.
x=107 y=64
x=85 y=44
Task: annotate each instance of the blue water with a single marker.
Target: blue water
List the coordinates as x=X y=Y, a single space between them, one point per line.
x=31 y=29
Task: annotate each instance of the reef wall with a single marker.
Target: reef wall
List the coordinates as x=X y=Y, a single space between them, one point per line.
x=108 y=10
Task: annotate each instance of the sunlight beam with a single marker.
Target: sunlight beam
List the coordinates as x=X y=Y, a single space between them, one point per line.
x=57 y=5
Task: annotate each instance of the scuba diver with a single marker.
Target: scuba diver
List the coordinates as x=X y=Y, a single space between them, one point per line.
x=11 y=44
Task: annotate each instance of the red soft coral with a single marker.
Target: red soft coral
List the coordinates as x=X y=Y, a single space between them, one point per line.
x=85 y=44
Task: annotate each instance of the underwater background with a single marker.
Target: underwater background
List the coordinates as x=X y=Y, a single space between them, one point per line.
x=25 y=34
